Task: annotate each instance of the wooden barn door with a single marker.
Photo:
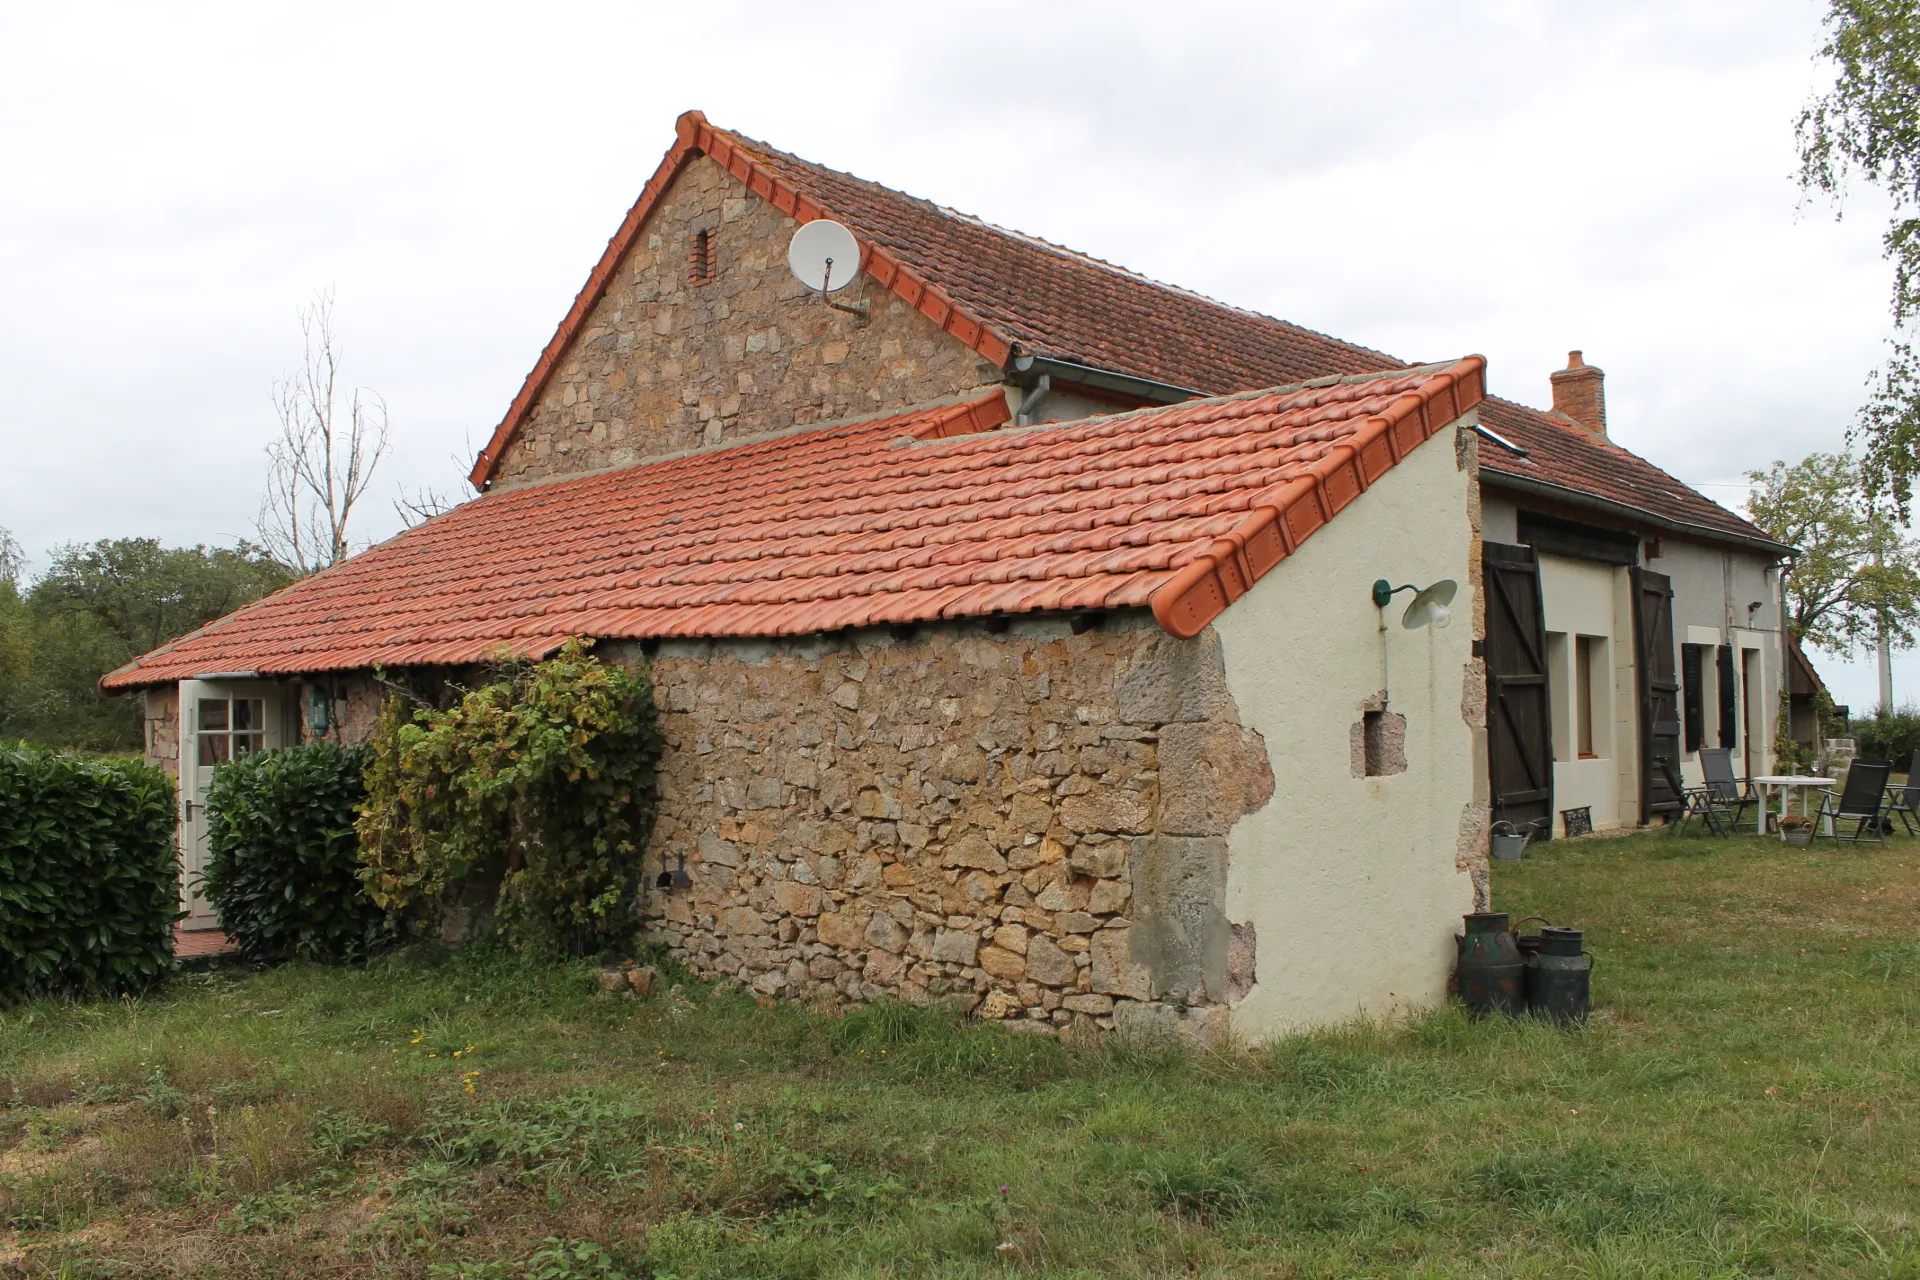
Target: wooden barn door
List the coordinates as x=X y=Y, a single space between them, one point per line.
x=1519 y=730
x=1653 y=662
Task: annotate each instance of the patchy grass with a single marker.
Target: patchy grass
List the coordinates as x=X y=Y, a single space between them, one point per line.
x=1745 y=1102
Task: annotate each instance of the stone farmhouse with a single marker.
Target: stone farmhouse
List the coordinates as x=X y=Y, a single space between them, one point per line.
x=1011 y=623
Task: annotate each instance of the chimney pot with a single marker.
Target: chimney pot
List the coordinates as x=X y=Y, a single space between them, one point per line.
x=1579 y=393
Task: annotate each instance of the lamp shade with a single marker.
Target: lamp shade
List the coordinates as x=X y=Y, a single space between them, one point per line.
x=1429 y=608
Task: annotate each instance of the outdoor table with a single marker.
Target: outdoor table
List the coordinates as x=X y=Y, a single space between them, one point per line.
x=1786 y=782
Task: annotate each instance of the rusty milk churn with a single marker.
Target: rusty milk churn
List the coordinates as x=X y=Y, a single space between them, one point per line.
x=1491 y=972
x=1560 y=978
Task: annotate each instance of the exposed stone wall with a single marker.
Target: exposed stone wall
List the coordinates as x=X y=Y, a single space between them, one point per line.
x=1029 y=823
x=353 y=706
x=162 y=717
x=664 y=364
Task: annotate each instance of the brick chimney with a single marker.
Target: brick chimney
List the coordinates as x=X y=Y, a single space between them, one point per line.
x=1578 y=393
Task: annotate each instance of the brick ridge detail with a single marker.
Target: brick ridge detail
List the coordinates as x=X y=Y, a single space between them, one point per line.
x=1226 y=570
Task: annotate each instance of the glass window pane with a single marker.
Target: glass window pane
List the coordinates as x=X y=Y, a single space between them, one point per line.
x=249 y=714
x=213 y=748
x=213 y=713
x=245 y=744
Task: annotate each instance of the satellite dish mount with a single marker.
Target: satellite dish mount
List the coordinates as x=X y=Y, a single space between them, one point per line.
x=826 y=258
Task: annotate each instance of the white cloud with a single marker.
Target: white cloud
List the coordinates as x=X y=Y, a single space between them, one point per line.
x=1513 y=178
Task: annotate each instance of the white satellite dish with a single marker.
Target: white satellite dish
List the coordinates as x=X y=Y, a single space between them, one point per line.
x=1429 y=608
x=824 y=255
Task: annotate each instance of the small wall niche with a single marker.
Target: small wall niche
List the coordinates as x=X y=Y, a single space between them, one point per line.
x=1377 y=743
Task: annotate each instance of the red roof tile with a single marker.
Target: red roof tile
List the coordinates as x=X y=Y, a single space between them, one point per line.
x=889 y=520
x=998 y=290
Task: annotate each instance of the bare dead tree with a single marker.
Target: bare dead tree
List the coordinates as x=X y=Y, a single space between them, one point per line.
x=324 y=457
x=422 y=505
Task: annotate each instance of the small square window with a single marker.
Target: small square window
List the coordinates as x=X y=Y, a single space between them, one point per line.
x=213 y=713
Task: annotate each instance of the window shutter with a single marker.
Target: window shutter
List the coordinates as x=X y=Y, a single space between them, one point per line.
x=1694 y=696
x=1729 y=702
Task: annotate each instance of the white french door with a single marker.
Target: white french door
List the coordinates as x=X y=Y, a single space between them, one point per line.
x=220 y=720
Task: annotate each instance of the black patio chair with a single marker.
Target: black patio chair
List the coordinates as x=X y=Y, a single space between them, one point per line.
x=1862 y=800
x=1904 y=799
x=1728 y=791
x=1695 y=802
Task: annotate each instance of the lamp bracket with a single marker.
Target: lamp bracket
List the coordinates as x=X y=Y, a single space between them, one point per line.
x=1384 y=592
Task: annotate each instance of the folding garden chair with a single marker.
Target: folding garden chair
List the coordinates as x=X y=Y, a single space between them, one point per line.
x=1905 y=799
x=1728 y=791
x=1695 y=802
x=1862 y=800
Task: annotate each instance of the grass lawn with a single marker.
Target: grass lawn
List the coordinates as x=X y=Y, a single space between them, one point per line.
x=1747 y=1101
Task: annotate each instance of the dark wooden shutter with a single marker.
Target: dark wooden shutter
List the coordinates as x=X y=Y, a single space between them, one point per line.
x=1519 y=734
x=1729 y=700
x=1659 y=690
x=1694 y=696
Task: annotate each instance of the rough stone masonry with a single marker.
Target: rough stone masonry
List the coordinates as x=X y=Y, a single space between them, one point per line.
x=667 y=363
x=1030 y=822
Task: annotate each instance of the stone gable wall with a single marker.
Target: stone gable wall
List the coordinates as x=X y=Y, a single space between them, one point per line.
x=1029 y=824
x=664 y=364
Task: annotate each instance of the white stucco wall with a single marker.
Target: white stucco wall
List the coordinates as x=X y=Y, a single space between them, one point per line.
x=1355 y=886
x=1712 y=587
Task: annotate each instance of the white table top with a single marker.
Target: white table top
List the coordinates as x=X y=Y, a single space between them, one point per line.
x=1791 y=780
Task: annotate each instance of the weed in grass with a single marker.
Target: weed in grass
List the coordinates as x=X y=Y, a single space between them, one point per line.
x=576 y=1134
x=255 y=1214
x=340 y=1135
x=926 y=1043
x=1592 y=1192
x=162 y=1098
x=1208 y=1187
x=684 y=1247
x=555 y=1259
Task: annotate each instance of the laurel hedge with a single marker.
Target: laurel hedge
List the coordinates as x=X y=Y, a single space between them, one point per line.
x=283 y=859
x=89 y=875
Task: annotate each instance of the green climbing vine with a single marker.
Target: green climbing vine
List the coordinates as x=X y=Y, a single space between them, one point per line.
x=532 y=795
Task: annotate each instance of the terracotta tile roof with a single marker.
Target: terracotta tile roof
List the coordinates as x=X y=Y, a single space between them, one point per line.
x=991 y=288
x=889 y=520
x=1000 y=290
x=1566 y=456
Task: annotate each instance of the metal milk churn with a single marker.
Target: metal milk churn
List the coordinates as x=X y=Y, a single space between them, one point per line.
x=1560 y=978
x=1491 y=971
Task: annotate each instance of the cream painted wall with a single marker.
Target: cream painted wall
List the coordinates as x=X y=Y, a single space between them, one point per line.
x=1355 y=885
x=1581 y=598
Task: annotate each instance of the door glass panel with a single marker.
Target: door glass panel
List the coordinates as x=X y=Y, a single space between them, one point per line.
x=213 y=713
x=245 y=744
x=213 y=748
x=248 y=714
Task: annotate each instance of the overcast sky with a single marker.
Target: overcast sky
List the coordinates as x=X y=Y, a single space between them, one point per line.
x=1515 y=179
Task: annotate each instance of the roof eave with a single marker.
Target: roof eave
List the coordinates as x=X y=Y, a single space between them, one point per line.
x=1499 y=479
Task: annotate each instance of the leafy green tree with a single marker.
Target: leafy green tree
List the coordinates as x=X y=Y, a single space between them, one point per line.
x=1854 y=565
x=16 y=640
x=1867 y=127
x=146 y=594
x=98 y=606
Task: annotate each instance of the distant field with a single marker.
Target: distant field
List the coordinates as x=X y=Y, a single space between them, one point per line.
x=1747 y=1101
